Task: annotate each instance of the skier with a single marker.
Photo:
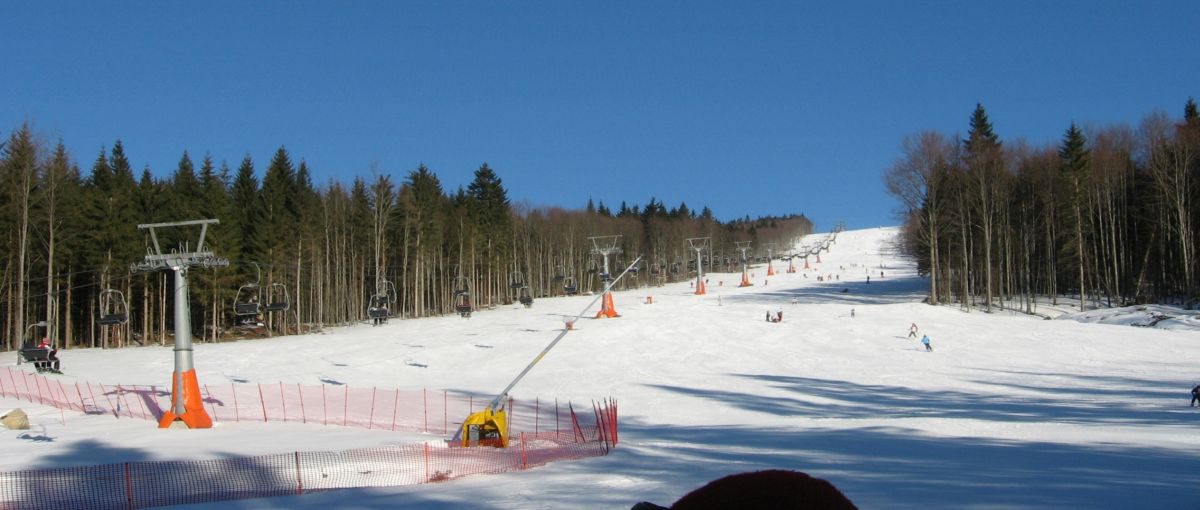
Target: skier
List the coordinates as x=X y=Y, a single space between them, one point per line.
x=912 y=330
x=925 y=340
x=1195 y=395
x=768 y=316
x=779 y=315
x=851 y=313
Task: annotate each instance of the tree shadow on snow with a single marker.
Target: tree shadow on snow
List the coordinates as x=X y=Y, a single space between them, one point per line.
x=899 y=469
x=906 y=289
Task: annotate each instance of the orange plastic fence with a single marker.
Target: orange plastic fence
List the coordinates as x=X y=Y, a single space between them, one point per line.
x=545 y=433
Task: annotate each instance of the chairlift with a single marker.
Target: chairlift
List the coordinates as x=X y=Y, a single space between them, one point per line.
x=559 y=273
x=113 y=309
x=462 y=296
x=246 y=303
x=378 y=309
x=28 y=341
x=278 y=299
x=570 y=286
x=525 y=298
x=516 y=280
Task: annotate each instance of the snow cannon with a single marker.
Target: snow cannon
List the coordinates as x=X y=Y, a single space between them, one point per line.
x=489 y=427
x=486 y=428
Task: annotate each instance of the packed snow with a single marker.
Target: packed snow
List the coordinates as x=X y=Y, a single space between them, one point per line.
x=1008 y=411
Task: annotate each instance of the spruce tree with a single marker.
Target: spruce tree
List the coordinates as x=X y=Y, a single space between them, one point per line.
x=1073 y=172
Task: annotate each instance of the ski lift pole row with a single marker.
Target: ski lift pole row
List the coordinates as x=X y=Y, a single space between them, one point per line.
x=500 y=398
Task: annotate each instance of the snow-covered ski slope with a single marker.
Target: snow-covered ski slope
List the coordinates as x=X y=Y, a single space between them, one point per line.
x=1009 y=411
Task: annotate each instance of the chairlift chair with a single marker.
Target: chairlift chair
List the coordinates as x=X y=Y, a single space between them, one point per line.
x=113 y=309
x=378 y=310
x=525 y=298
x=462 y=296
x=278 y=299
x=516 y=280
x=28 y=342
x=570 y=286
x=247 y=302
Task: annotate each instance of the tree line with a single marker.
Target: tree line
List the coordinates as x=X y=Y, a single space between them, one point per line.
x=70 y=239
x=1107 y=215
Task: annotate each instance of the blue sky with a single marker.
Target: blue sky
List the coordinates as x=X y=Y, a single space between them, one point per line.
x=750 y=108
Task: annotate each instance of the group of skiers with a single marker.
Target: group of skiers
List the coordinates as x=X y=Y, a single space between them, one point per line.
x=912 y=333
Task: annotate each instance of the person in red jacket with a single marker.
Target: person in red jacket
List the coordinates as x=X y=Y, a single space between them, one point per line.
x=51 y=356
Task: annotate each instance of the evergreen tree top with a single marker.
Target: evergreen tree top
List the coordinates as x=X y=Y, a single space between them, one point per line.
x=981 y=135
x=1189 y=111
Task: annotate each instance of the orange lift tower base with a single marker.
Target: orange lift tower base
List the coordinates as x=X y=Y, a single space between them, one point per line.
x=186 y=406
x=605 y=246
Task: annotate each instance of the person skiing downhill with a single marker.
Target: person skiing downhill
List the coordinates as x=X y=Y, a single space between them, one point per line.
x=925 y=340
x=912 y=330
x=1195 y=395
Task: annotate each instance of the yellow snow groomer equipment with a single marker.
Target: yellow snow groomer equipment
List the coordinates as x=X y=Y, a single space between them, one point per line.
x=489 y=427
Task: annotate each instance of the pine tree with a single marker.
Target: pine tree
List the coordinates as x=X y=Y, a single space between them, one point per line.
x=246 y=218
x=1074 y=172
x=19 y=171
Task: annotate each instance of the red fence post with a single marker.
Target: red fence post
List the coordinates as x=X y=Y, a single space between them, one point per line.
x=236 y=415
x=371 y=419
x=128 y=487
x=38 y=382
x=299 y=479
x=262 y=402
x=395 y=407
x=346 y=406
x=425 y=399
x=524 y=455
x=82 y=406
x=283 y=401
x=324 y=407
x=14 y=383
x=303 y=413
x=426 y=462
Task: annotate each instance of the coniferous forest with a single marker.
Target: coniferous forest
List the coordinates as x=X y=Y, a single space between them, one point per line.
x=1107 y=215
x=71 y=237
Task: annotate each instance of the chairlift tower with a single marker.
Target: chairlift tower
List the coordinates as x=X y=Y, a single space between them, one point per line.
x=186 y=405
x=699 y=244
x=605 y=246
x=770 y=266
x=744 y=246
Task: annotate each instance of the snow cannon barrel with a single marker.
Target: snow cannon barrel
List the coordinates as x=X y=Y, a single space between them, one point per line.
x=486 y=428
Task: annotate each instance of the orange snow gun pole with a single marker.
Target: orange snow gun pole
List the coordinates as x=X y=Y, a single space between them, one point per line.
x=489 y=427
